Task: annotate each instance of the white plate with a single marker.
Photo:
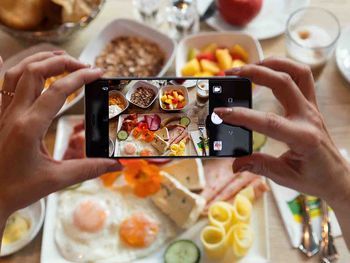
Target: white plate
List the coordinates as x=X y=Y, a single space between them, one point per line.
x=127 y=27
x=270 y=22
x=14 y=60
x=259 y=253
x=228 y=39
x=36 y=214
x=342 y=54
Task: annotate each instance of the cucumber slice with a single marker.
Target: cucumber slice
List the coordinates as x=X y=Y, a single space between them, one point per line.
x=259 y=141
x=182 y=251
x=185 y=121
x=122 y=135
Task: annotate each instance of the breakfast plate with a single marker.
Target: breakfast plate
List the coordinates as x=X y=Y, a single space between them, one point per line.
x=270 y=22
x=342 y=54
x=51 y=253
x=14 y=60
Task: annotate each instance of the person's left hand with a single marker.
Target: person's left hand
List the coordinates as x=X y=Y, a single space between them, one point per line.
x=27 y=171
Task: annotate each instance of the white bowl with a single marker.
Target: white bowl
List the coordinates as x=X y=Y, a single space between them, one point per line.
x=36 y=213
x=126 y=102
x=141 y=83
x=173 y=87
x=127 y=27
x=228 y=39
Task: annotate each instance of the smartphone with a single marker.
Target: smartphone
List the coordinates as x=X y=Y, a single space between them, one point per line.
x=165 y=117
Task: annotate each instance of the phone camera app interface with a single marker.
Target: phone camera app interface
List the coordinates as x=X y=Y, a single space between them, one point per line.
x=228 y=140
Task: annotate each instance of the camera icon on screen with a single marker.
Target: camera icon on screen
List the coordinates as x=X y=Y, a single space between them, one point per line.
x=217 y=89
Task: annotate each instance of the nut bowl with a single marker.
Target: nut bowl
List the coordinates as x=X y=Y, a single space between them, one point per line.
x=55 y=35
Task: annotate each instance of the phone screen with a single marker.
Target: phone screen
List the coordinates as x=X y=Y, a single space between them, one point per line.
x=153 y=118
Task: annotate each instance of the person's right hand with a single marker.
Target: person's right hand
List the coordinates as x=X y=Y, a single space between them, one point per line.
x=313 y=164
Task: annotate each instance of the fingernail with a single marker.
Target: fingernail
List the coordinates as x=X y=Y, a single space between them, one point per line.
x=233 y=70
x=222 y=111
x=58 y=52
x=87 y=65
x=99 y=70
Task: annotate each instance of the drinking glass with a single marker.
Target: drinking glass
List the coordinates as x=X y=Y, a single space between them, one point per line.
x=148 y=10
x=202 y=92
x=312 y=33
x=183 y=18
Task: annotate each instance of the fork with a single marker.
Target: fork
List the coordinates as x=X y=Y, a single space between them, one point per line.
x=309 y=242
x=329 y=252
x=202 y=130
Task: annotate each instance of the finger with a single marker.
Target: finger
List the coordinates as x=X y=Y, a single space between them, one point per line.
x=12 y=75
x=50 y=102
x=1 y=62
x=281 y=84
x=267 y=165
x=75 y=171
x=36 y=73
x=267 y=123
x=300 y=73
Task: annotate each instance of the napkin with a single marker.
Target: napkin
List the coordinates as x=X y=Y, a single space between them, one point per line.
x=289 y=207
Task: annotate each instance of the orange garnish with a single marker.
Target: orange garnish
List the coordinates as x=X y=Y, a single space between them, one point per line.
x=143 y=177
x=109 y=178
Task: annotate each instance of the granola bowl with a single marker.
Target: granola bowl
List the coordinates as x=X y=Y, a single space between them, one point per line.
x=121 y=60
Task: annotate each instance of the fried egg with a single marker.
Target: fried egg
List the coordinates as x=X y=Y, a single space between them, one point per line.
x=103 y=225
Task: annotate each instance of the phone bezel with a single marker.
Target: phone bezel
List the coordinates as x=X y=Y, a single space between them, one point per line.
x=93 y=149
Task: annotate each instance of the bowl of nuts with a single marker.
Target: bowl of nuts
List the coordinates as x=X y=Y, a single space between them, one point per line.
x=142 y=94
x=126 y=48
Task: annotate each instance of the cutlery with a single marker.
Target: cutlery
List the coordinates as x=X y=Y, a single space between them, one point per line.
x=202 y=130
x=309 y=242
x=328 y=250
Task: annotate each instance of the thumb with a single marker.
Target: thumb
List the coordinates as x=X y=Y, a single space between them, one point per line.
x=77 y=170
x=266 y=165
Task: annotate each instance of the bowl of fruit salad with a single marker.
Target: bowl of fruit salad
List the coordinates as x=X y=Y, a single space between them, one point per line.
x=173 y=98
x=210 y=54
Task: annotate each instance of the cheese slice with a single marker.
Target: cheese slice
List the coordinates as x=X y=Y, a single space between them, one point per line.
x=159 y=144
x=176 y=201
x=163 y=133
x=189 y=172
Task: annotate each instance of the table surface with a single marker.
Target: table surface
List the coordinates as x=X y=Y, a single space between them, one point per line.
x=333 y=94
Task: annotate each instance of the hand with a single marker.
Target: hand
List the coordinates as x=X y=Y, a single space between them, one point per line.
x=312 y=164
x=28 y=172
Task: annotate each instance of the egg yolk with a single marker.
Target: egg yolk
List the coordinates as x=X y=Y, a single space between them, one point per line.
x=138 y=230
x=89 y=217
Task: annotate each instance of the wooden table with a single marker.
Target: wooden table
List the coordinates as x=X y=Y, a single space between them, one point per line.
x=333 y=94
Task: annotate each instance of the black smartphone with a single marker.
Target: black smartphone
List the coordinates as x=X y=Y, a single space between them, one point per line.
x=165 y=117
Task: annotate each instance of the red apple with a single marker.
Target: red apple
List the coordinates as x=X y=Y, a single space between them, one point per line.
x=239 y=12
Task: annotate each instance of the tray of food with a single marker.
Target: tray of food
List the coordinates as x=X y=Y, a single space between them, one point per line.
x=105 y=220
